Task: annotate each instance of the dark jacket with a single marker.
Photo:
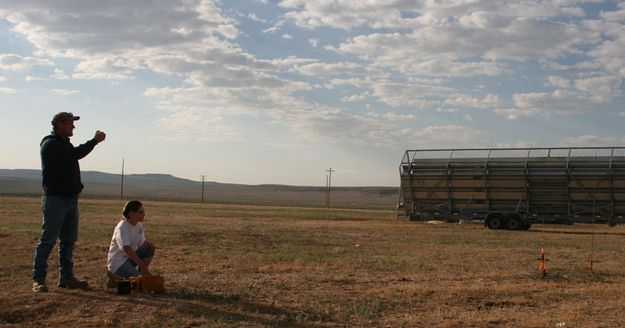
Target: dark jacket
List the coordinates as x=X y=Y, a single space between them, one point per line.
x=59 y=165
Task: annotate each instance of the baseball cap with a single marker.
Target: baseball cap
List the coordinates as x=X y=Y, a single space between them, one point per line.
x=64 y=116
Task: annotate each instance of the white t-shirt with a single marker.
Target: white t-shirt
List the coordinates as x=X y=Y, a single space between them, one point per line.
x=125 y=234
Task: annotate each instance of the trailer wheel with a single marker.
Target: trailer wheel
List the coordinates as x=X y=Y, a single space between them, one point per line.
x=513 y=223
x=494 y=222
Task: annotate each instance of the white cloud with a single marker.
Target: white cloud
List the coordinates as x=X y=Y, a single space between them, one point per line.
x=399 y=117
x=522 y=40
x=402 y=54
x=287 y=62
x=559 y=82
x=254 y=17
x=112 y=41
x=590 y=140
x=560 y=101
x=337 y=126
x=410 y=14
x=59 y=74
x=106 y=68
x=7 y=91
x=274 y=103
x=447 y=136
x=275 y=28
x=196 y=125
x=71 y=28
x=520 y=144
x=355 y=98
x=489 y=101
x=3 y=79
x=608 y=52
x=450 y=31
x=411 y=95
x=447 y=110
x=64 y=92
x=600 y=88
x=615 y=16
x=515 y=113
x=334 y=126
x=13 y=62
x=440 y=67
x=30 y=78
x=342 y=14
x=336 y=69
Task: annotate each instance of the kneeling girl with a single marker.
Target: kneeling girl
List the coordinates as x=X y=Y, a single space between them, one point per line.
x=130 y=253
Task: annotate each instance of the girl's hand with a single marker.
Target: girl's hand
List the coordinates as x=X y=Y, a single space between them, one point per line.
x=144 y=271
x=149 y=245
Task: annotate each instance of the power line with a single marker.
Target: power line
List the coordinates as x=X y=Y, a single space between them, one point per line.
x=202 y=176
x=328 y=186
x=121 y=194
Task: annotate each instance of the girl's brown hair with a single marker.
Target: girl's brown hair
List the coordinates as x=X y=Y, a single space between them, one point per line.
x=131 y=206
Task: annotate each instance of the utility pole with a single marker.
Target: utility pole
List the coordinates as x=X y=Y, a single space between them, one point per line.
x=329 y=189
x=121 y=194
x=326 y=204
x=202 y=176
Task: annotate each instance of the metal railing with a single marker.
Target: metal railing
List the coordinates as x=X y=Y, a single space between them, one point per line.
x=513 y=153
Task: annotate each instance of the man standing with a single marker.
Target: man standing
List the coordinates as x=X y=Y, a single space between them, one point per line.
x=59 y=204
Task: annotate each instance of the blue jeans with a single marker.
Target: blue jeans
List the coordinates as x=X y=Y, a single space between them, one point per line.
x=60 y=221
x=129 y=268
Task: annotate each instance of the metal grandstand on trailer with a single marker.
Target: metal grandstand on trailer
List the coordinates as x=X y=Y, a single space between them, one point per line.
x=512 y=188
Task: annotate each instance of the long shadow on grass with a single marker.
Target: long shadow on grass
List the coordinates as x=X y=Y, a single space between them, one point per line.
x=283 y=317
x=230 y=308
x=578 y=276
x=578 y=232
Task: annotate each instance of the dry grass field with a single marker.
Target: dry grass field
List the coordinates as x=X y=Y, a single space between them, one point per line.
x=253 y=266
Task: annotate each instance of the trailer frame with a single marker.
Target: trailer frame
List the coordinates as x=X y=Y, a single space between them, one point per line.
x=513 y=188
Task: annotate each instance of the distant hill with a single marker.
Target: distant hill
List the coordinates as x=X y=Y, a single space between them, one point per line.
x=169 y=187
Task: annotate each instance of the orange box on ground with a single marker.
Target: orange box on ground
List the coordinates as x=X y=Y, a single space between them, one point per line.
x=152 y=284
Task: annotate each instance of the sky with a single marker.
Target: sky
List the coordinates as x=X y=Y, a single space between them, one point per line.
x=277 y=92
